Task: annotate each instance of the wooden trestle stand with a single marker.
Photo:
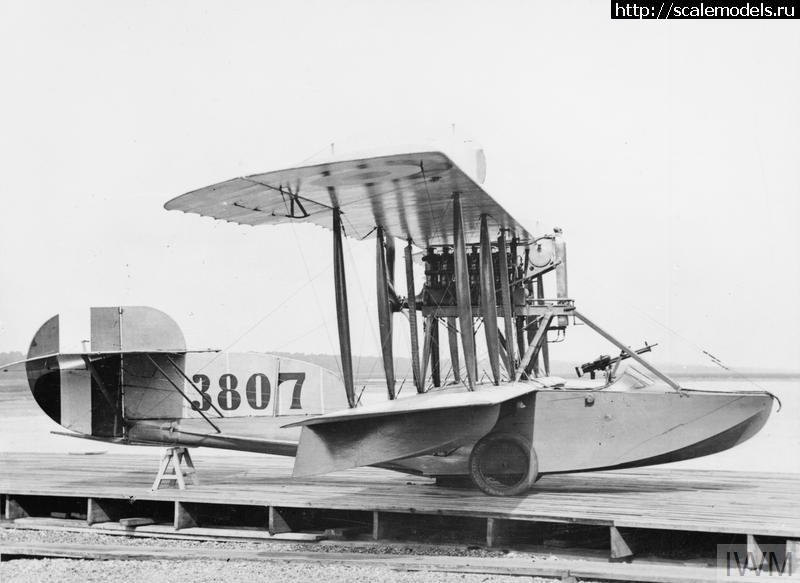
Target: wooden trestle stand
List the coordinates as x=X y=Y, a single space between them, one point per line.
x=176 y=456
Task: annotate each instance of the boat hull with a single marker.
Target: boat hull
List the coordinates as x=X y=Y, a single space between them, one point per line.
x=585 y=430
x=571 y=430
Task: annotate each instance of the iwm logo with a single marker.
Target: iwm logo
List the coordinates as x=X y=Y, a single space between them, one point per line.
x=755 y=563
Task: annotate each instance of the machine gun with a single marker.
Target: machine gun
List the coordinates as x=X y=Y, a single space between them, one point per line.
x=605 y=362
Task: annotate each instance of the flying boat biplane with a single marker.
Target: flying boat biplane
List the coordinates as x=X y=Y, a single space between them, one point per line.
x=138 y=384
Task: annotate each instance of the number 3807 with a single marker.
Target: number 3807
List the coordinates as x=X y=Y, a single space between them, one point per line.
x=257 y=391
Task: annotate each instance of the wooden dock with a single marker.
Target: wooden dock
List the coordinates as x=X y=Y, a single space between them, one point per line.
x=730 y=503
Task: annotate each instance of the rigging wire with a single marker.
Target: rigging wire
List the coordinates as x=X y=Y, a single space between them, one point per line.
x=261 y=320
x=304 y=335
x=718 y=362
x=438 y=224
x=360 y=288
x=314 y=291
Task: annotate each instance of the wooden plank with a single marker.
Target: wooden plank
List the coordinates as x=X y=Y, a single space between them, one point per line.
x=201 y=531
x=528 y=566
x=37 y=521
x=136 y=521
x=160 y=530
x=120 y=527
x=219 y=532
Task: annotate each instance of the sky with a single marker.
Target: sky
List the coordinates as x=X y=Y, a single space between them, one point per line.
x=667 y=151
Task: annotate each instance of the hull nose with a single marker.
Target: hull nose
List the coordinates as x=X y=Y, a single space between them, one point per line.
x=755 y=410
x=638 y=428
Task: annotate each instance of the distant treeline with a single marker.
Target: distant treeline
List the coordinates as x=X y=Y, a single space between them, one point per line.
x=364 y=367
x=13 y=356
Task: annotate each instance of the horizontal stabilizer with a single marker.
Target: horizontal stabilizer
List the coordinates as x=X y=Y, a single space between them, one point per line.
x=399 y=429
x=76 y=360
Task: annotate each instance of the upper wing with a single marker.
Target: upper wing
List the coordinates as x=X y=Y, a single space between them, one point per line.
x=408 y=195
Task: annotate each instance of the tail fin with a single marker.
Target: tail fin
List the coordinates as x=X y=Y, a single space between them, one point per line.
x=81 y=391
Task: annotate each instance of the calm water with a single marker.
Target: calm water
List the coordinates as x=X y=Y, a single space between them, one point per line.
x=23 y=427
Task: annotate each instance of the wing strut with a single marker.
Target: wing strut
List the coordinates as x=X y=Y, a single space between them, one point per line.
x=519 y=321
x=419 y=381
x=342 y=314
x=532 y=353
x=384 y=309
x=505 y=292
x=427 y=326
x=463 y=299
x=452 y=342
x=489 y=301
x=545 y=346
x=436 y=375
x=390 y=253
x=531 y=322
